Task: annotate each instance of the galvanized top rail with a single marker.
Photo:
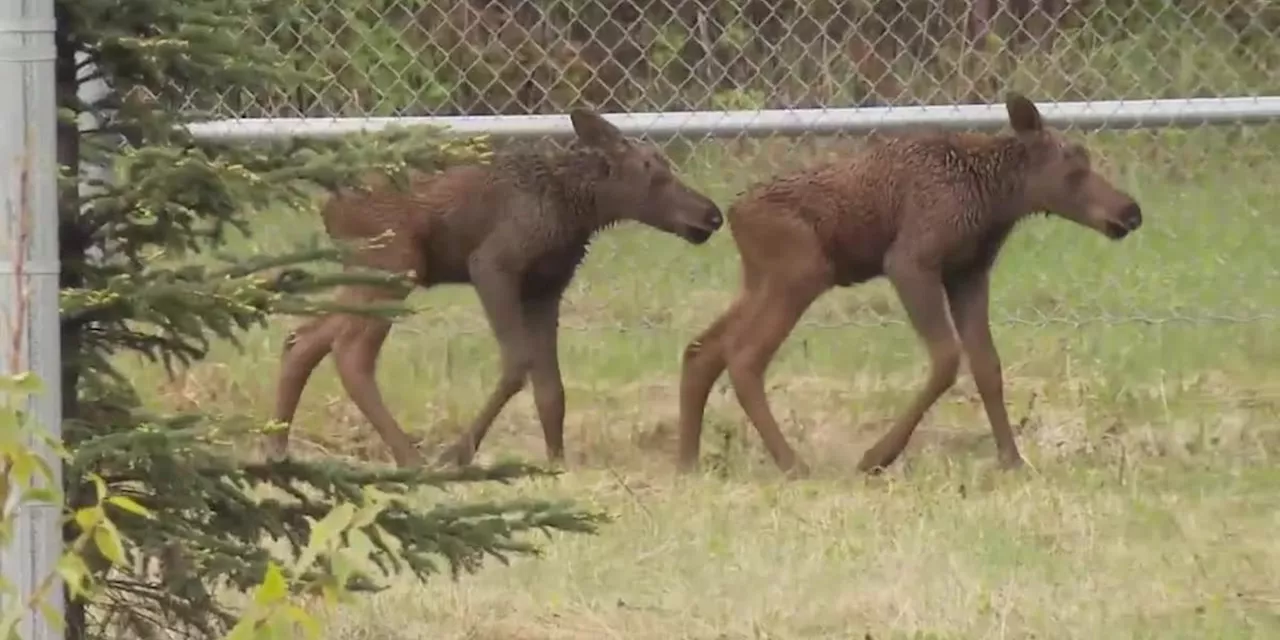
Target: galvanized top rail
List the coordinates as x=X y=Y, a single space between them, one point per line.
x=1110 y=114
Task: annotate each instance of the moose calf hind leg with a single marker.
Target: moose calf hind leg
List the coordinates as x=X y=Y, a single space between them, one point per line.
x=356 y=353
x=304 y=348
x=703 y=361
x=752 y=346
x=464 y=449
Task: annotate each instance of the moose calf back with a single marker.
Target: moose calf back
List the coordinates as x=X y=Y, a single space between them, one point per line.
x=950 y=196
x=434 y=225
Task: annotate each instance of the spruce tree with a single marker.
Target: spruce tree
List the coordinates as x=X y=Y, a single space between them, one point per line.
x=137 y=278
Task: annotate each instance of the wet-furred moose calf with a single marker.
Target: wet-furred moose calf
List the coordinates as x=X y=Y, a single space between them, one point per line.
x=928 y=211
x=515 y=230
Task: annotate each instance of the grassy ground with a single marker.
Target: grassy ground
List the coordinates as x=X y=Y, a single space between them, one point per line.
x=1144 y=375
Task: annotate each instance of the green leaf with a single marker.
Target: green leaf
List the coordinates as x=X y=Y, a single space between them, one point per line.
x=74 y=573
x=273 y=587
x=99 y=485
x=9 y=624
x=22 y=467
x=107 y=539
x=51 y=615
x=88 y=517
x=130 y=505
x=332 y=524
x=297 y=615
x=375 y=503
x=359 y=544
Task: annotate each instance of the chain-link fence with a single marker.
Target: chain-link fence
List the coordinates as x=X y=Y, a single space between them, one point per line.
x=473 y=57
x=1196 y=288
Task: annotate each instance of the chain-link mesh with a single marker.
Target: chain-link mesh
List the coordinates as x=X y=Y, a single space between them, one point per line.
x=451 y=57
x=1197 y=287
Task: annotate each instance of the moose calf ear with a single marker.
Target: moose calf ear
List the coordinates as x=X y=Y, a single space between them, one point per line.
x=1023 y=115
x=594 y=130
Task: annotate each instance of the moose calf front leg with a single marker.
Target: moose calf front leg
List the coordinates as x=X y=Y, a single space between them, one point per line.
x=499 y=293
x=969 y=297
x=542 y=323
x=925 y=301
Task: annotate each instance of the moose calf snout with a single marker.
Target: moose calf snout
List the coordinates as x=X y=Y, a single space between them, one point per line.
x=700 y=229
x=1131 y=216
x=714 y=217
x=1124 y=222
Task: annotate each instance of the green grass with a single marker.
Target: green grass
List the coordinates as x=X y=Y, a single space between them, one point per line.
x=1144 y=375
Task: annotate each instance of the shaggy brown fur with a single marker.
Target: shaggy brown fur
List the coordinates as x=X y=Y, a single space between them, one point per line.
x=515 y=230
x=928 y=211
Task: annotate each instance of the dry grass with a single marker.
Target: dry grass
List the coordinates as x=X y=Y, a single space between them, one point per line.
x=1144 y=376
x=952 y=552
x=1155 y=530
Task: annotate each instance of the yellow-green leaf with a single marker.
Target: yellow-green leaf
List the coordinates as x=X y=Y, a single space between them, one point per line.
x=100 y=485
x=332 y=524
x=305 y=558
x=22 y=467
x=130 y=505
x=50 y=614
x=73 y=571
x=359 y=545
x=107 y=539
x=299 y=616
x=8 y=626
x=88 y=517
x=273 y=587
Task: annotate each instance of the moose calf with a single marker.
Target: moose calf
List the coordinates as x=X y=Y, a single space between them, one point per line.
x=930 y=212
x=515 y=230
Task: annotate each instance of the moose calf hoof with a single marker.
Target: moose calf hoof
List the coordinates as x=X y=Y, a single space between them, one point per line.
x=409 y=460
x=276 y=451
x=555 y=458
x=1010 y=462
x=798 y=470
x=874 y=463
x=276 y=457
x=458 y=454
x=687 y=468
x=556 y=463
x=687 y=464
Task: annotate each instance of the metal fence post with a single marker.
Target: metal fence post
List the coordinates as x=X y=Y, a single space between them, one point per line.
x=29 y=324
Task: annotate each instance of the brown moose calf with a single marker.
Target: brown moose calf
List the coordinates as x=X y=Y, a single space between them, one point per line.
x=515 y=230
x=930 y=212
